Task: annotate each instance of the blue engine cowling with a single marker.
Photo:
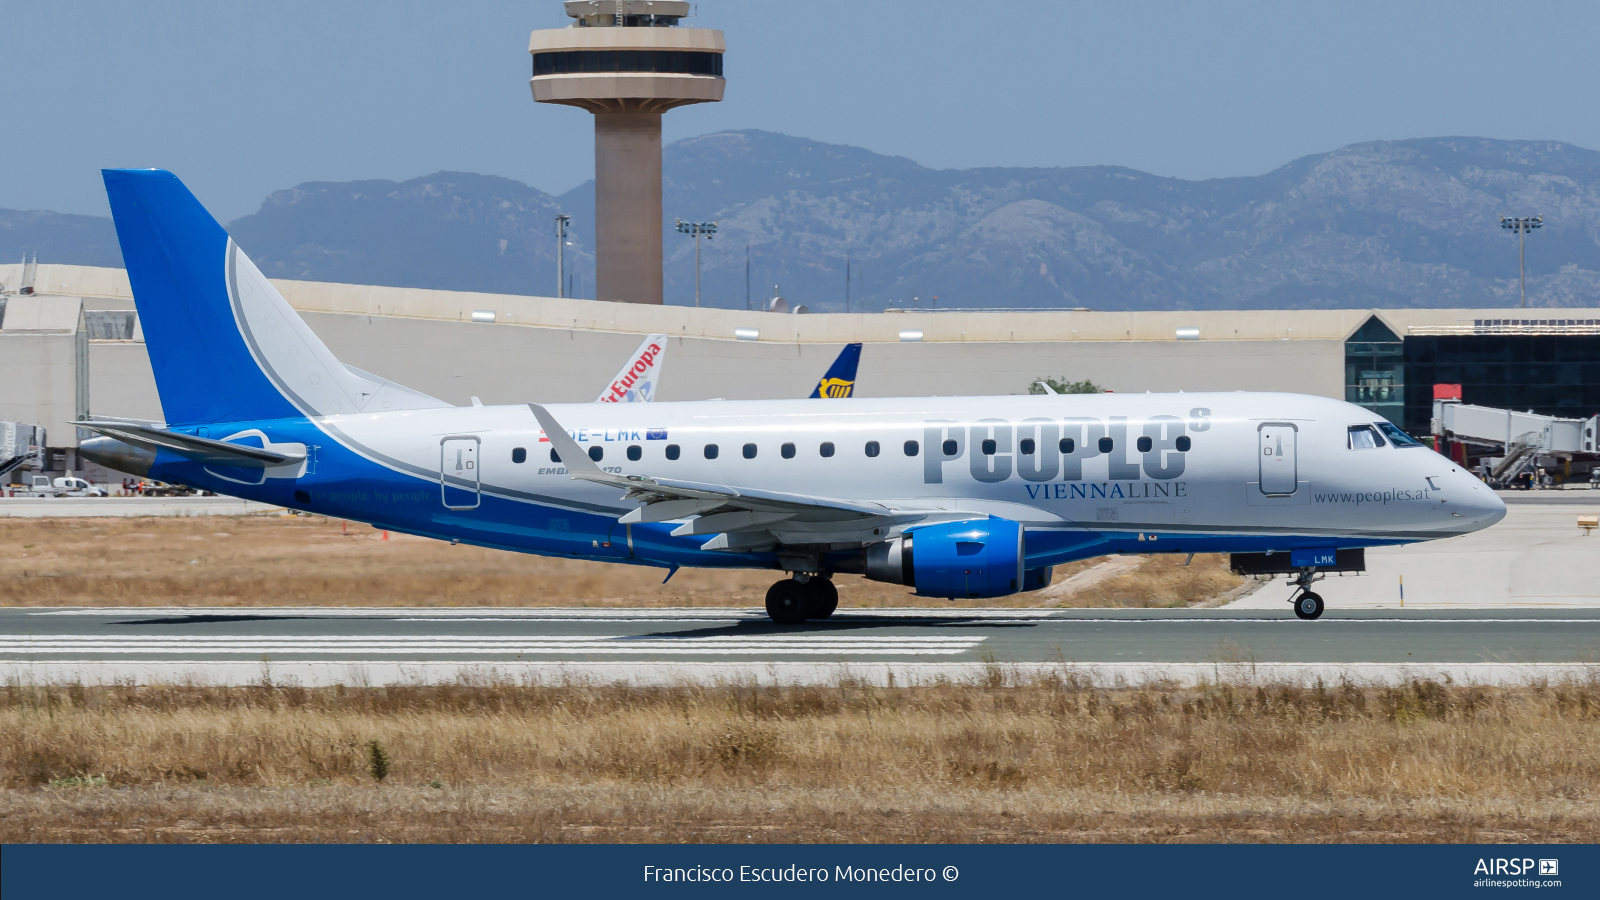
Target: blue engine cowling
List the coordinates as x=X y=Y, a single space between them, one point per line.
x=966 y=559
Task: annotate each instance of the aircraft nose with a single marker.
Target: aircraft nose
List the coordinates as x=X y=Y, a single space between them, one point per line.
x=1477 y=503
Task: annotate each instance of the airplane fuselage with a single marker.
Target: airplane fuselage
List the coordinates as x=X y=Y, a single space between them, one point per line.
x=1084 y=474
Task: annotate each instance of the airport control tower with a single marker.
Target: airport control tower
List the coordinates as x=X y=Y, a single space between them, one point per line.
x=627 y=61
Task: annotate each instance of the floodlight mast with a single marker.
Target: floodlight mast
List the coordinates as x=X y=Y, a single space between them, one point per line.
x=561 y=254
x=698 y=228
x=1522 y=225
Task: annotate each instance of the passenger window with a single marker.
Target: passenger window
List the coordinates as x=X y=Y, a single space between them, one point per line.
x=519 y=454
x=911 y=448
x=749 y=451
x=597 y=453
x=672 y=451
x=1026 y=446
x=988 y=446
x=1067 y=444
x=711 y=451
x=634 y=452
x=787 y=451
x=951 y=448
x=553 y=457
x=872 y=448
x=1364 y=437
x=1183 y=443
x=1397 y=437
x=1106 y=445
x=1144 y=444
x=826 y=449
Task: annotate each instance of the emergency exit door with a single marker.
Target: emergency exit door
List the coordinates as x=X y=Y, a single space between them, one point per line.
x=1276 y=455
x=458 y=472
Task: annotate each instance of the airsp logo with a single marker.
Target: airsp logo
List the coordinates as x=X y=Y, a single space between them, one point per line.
x=1502 y=866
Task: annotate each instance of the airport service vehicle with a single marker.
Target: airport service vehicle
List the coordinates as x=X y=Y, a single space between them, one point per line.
x=636 y=380
x=68 y=486
x=970 y=497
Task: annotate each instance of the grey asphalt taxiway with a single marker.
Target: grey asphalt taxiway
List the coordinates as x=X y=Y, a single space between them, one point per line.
x=387 y=645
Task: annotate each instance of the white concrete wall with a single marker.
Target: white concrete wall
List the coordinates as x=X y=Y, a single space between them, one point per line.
x=38 y=382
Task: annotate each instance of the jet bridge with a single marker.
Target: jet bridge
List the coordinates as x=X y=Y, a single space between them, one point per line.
x=21 y=446
x=1520 y=437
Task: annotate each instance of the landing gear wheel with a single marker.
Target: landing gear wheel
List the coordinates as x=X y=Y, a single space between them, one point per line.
x=786 y=602
x=1308 y=605
x=822 y=598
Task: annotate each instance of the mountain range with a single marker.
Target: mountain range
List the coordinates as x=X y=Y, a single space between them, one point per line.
x=1384 y=223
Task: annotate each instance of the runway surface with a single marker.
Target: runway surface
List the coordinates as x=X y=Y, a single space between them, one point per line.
x=377 y=646
x=1537 y=557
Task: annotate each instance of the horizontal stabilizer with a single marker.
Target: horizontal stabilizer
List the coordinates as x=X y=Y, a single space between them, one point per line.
x=199 y=449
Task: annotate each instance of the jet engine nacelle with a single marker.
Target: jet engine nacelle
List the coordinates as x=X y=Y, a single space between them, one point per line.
x=981 y=558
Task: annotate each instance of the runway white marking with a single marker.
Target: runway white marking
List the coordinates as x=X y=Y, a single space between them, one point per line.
x=551 y=614
x=751 y=614
x=498 y=645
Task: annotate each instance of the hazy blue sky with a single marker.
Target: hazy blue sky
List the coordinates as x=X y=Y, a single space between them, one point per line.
x=243 y=98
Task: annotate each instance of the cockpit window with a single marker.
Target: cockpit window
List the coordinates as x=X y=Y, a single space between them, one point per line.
x=1397 y=437
x=1364 y=437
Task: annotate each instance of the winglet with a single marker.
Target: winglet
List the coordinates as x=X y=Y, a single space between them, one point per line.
x=578 y=463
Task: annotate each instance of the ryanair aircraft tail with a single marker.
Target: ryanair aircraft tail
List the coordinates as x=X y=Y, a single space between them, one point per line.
x=223 y=343
x=840 y=381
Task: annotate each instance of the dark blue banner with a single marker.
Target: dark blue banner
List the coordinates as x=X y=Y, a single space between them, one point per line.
x=311 y=872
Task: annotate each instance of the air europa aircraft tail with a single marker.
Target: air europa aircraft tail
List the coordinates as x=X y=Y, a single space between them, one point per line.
x=636 y=380
x=223 y=343
x=840 y=380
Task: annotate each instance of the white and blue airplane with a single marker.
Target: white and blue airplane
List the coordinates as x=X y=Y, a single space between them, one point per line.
x=949 y=496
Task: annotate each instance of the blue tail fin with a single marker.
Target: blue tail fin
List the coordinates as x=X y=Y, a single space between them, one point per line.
x=177 y=256
x=841 y=378
x=224 y=344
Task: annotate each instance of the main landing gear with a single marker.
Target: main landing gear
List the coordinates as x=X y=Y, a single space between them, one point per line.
x=1307 y=604
x=794 y=600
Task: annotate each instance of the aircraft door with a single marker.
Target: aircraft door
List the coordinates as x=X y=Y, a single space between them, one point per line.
x=1276 y=456
x=458 y=472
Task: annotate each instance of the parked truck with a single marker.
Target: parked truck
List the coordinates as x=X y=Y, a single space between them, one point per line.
x=65 y=486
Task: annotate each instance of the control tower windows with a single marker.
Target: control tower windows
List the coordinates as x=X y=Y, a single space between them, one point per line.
x=588 y=62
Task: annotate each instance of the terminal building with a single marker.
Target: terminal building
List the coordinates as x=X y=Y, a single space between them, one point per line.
x=71 y=346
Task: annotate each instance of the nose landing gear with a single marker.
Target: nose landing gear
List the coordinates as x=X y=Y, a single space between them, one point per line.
x=794 y=600
x=1307 y=604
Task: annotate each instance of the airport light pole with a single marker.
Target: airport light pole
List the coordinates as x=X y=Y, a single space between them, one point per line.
x=1522 y=225
x=697 y=228
x=561 y=254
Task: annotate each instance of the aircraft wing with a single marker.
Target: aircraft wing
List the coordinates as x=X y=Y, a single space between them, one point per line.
x=726 y=509
x=840 y=379
x=150 y=436
x=636 y=380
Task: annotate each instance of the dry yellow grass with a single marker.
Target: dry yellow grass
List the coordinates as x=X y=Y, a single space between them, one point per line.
x=312 y=561
x=1048 y=759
